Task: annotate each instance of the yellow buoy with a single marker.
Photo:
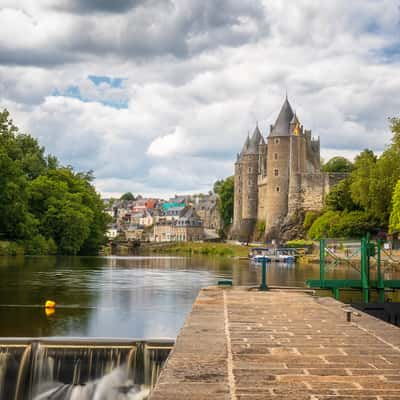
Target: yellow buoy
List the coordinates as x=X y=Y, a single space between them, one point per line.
x=49 y=311
x=50 y=304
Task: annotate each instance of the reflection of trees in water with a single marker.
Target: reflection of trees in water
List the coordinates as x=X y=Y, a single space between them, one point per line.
x=30 y=281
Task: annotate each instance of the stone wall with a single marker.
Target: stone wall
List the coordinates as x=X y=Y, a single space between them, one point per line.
x=307 y=191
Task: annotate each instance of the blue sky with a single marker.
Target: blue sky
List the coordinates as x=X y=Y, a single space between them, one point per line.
x=157 y=96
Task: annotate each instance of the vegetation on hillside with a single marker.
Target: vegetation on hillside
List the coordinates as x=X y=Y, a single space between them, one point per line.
x=366 y=201
x=45 y=207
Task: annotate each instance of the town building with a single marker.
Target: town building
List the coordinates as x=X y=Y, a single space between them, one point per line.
x=278 y=176
x=207 y=209
x=186 y=227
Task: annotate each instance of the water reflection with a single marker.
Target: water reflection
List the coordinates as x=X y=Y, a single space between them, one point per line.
x=136 y=297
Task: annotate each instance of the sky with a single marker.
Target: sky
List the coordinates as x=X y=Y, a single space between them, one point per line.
x=157 y=96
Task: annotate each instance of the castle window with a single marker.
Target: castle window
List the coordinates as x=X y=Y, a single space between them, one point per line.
x=276 y=172
x=275 y=156
x=278 y=189
x=250 y=170
x=276 y=140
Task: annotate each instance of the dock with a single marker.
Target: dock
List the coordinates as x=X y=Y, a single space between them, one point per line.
x=238 y=343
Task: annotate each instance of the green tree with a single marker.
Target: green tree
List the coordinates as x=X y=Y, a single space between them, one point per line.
x=16 y=222
x=339 y=198
x=394 y=222
x=43 y=205
x=338 y=164
x=128 y=196
x=360 y=186
x=395 y=128
x=225 y=194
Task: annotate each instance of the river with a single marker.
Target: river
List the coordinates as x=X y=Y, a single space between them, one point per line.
x=121 y=297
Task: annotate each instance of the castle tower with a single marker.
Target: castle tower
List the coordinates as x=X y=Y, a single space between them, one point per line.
x=279 y=154
x=246 y=186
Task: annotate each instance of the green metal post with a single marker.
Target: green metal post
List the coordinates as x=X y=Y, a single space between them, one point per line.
x=322 y=262
x=264 y=286
x=364 y=266
x=335 y=292
x=381 y=287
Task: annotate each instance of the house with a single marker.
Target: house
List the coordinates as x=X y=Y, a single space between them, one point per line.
x=112 y=232
x=185 y=227
x=207 y=209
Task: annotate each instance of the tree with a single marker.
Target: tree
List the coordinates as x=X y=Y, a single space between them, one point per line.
x=339 y=198
x=338 y=164
x=225 y=194
x=395 y=128
x=217 y=186
x=128 y=196
x=360 y=185
x=43 y=205
x=394 y=222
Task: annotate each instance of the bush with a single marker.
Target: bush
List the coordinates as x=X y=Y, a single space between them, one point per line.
x=39 y=245
x=309 y=218
x=10 y=249
x=299 y=243
x=342 y=224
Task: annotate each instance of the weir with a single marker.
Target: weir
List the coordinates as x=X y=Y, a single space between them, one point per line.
x=79 y=369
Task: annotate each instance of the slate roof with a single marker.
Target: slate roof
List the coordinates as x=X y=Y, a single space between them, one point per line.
x=282 y=124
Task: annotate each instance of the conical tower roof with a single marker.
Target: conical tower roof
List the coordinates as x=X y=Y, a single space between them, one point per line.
x=281 y=126
x=295 y=120
x=245 y=146
x=255 y=141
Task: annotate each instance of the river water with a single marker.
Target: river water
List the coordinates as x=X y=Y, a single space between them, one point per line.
x=121 y=297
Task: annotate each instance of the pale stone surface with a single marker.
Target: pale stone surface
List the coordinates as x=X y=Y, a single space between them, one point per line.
x=281 y=344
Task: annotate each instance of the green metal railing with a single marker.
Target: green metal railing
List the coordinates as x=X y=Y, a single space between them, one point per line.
x=368 y=250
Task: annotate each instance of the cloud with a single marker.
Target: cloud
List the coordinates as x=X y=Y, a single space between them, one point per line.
x=90 y=6
x=157 y=97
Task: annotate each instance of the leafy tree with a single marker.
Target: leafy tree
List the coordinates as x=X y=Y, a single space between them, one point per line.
x=395 y=128
x=43 y=205
x=217 y=185
x=16 y=222
x=360 y=186
x=342 y=224
x=226 y=193
x=309 y=218
x=339 y=198
x=128 y=196
x=338 y=164
x=394 y=222
x=383 y=181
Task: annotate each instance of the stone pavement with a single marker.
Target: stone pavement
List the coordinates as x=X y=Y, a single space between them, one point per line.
x=240 y=344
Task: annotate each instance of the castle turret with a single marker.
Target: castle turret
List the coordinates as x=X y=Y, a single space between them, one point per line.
x=246 y=186
x=278 y=156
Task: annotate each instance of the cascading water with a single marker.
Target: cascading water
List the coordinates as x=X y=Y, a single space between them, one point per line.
x=68 y=370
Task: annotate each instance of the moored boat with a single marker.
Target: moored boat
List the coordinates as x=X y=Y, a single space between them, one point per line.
x=283 y=255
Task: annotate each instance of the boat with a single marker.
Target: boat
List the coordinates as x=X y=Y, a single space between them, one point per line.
x=283 y=255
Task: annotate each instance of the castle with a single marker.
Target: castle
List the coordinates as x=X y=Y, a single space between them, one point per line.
x=278 y=177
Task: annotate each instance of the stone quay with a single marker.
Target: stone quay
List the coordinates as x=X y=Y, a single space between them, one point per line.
x=238 y=343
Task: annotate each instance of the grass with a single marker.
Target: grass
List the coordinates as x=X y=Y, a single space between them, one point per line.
x=212 y=249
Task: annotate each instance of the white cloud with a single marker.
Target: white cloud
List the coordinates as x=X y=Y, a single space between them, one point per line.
x=196 y=82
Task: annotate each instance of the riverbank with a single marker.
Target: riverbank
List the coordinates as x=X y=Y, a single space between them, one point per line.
x=11 y=249
x=190 y=248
